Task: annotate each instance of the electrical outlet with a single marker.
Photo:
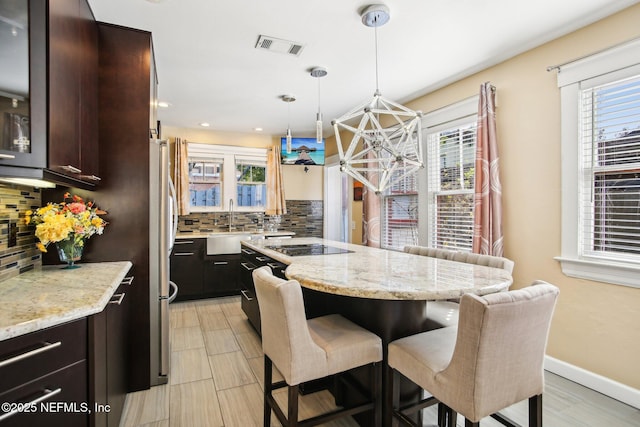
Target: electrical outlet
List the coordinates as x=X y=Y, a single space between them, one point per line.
x=13 y=234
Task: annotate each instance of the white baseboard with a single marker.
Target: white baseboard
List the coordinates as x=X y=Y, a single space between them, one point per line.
x=606 y=386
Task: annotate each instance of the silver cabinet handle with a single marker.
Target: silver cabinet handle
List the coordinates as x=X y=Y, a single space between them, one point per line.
x=247 y=267
x=7 y=156
x=91 y=177
x=127 y=280
x=244 y=294
x=71 y=169
x=248 y=251
x=184 y=253
x=119 y=299
x=263 y=258
x=220 y=263
x=46 y=346
x=274 y=265
x=182 y=242
x=48 y=394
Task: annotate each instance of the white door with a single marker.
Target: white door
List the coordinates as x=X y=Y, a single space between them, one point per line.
x=336 y=202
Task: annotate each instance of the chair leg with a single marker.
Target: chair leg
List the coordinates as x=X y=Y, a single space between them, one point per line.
x=268 y=389
x=535 y=411
x=446 y=416
x=292 y=413
x=376 y=395
x=468 y=423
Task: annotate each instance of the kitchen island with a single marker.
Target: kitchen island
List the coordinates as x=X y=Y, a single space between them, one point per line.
x=386 y=292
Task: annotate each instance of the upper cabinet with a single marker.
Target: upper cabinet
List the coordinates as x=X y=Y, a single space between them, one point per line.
x=59 y=127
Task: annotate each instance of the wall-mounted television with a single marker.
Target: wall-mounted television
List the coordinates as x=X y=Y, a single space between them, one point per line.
x=302 y=151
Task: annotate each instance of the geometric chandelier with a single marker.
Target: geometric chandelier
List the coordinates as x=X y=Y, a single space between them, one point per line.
x=386 y=141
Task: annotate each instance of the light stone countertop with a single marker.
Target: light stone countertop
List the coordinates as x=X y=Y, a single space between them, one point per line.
x=50 y=295
x=384 y=274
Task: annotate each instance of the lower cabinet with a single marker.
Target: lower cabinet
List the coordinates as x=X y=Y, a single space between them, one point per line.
x=187 y=267
x=43 y=377
x=249 y=302
x=109 y=358
x=198 y=275
x=221 y=274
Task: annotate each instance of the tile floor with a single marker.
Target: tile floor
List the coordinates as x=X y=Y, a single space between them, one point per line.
x=216 y=380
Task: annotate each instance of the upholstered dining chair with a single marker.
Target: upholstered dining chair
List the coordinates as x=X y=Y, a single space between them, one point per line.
x=491 y=360
x=305 y=350
x=445 y=313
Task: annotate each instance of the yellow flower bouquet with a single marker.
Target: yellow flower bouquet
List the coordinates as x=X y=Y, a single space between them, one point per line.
x=68 y=224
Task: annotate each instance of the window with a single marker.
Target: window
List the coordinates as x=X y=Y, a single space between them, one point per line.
x=600 y=98
x=252 y=188
x=219 y=174
x=451 y=153
x=443 y=191
x=400 y=214
x=205 y=182
x=610 y=147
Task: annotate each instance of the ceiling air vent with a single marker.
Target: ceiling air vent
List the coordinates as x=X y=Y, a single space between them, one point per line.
x=279 y=45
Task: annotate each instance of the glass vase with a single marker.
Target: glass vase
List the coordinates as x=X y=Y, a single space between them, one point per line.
x=70 y=251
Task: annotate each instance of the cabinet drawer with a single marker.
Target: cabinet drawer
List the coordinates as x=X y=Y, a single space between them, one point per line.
x=184 y=247
x=59 y=399
x=246 y=271
x=33 y=355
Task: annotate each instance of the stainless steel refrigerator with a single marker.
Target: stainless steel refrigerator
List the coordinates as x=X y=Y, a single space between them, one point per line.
x=162 y=229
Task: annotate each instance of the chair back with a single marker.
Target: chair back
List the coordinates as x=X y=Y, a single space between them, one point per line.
x=499 y=352
x=285 y=335
x=460 y=256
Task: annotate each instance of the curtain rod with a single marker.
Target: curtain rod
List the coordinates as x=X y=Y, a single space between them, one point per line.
x=559 y=66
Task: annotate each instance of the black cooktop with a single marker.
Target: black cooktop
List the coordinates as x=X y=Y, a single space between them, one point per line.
x=308 y=249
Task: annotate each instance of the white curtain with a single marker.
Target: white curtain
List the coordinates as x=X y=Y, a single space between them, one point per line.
x=181 y=175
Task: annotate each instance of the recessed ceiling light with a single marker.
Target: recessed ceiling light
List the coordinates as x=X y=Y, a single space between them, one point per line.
x=258 y=129
x=163 y=104
x=155 y=1
x=205 y=124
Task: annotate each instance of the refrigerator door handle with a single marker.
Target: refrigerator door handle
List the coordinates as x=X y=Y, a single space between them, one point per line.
x=174 y=214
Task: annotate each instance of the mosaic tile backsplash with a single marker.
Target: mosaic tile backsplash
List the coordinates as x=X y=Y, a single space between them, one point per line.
x=23 y=256
x=304 y=217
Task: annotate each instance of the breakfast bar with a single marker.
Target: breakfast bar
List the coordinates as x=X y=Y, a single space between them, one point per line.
x=383 y=291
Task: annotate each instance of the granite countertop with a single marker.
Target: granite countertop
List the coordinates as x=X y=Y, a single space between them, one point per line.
x=383 y=274
x=51 y=295
x=205 y=234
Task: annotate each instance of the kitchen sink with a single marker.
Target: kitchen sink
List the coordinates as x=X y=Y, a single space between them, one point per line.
x=226 y=243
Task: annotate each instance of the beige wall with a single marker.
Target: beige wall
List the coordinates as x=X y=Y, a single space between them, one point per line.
x=298 y=184
x=596 y=325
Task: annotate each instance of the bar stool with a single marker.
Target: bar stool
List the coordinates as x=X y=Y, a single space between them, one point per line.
x=493 y=359
x=305 y=350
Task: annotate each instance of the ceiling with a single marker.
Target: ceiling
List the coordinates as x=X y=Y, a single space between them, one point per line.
x=210 y=71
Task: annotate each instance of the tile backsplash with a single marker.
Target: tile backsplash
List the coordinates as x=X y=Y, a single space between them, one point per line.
x=304 y=217
x=24 y=256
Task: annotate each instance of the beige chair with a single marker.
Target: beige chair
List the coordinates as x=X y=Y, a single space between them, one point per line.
x=493 y=359
x=445 y=313
x=305 y=350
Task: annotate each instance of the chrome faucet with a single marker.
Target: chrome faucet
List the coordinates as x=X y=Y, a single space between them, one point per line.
x=230 y=214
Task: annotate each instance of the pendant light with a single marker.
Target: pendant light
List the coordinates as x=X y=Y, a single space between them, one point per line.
x=318 y=72
x=288 y=99
x=386 y=145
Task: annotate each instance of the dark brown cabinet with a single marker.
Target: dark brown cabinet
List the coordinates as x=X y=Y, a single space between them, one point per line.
x=187 y=267
x=41 y=369
x=73 y=90
x=250 y=261
x=109 y=358
x=221 y=274
x=63 y=88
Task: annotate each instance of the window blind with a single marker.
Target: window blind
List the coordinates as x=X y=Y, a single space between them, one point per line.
x=610 y=179
x=400 y=214
x=451 y=156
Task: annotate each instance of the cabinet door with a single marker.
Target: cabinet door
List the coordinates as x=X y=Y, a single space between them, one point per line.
x=117 y=353
x=88 y=105
x=187 y=261
x=221 y=274
x=64 y=88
